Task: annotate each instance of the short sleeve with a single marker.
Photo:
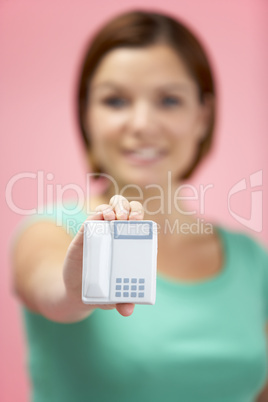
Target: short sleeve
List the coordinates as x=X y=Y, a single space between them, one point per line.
x=254 y=256
x=263 y=255
x=69 y=216
x=260 y=265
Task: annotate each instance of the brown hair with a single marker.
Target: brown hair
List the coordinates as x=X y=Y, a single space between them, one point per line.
x=140 y=28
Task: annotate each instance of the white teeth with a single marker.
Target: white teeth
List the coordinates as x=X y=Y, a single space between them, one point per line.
x=146 y=153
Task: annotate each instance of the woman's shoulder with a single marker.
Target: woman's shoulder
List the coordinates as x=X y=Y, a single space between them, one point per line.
x=244 y=244
x=68 y=215
x=50 y=220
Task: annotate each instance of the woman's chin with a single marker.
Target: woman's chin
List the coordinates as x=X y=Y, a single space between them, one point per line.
x=143 y=179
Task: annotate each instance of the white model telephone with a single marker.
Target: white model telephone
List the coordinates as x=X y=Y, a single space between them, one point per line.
x=119 y=262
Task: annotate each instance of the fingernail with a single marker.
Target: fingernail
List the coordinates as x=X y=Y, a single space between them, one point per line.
x=107 y=211
x=121 y=216
x=135 y=213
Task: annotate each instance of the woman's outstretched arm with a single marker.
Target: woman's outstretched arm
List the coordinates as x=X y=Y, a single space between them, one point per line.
x=47 y=266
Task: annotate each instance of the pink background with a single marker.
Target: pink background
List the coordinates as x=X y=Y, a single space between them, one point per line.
x=41 y=43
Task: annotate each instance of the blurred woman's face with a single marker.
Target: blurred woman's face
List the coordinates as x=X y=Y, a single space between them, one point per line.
x=144 y=115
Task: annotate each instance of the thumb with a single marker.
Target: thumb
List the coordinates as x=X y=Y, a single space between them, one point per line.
x=125 y=309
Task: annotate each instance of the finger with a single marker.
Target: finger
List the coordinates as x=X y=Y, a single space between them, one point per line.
x=107 y=212
x=105 y=306
x=136 y=211
x=125 y=309
x=121 y=206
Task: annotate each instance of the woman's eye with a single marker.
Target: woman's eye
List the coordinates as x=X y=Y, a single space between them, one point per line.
x=114 y=101
x=117 y=102
x=171 y=101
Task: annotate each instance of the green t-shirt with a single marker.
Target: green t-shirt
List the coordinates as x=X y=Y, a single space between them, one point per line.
x=200 y=342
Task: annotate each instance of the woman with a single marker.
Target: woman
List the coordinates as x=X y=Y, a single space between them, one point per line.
x=146 y=106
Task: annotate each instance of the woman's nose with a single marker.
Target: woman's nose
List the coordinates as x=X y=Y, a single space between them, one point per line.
x=142 y=119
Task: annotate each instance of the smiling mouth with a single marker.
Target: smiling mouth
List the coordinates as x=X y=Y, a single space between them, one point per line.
x=143 y=156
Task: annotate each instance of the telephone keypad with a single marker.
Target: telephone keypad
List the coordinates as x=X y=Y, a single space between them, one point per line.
x=133 y=288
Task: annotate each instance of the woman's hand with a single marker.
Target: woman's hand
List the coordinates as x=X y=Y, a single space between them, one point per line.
x=118 y=209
